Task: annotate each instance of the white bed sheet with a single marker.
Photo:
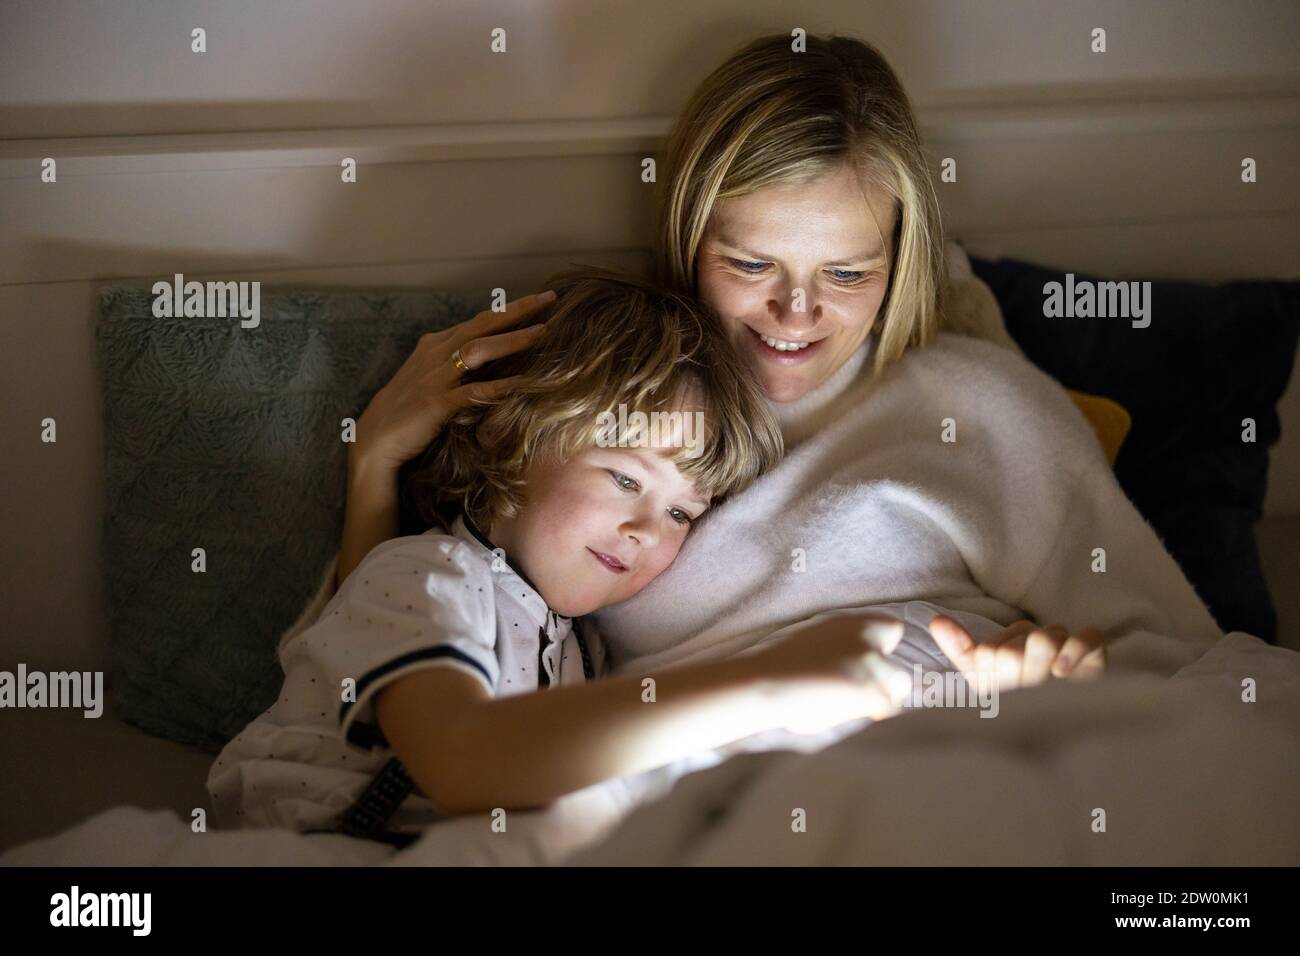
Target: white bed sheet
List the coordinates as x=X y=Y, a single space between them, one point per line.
x=1185 y=770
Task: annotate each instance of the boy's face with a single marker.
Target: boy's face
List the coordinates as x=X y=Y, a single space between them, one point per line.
x=598 y=528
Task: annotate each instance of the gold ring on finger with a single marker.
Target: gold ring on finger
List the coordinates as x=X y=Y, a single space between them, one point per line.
x=459 y=362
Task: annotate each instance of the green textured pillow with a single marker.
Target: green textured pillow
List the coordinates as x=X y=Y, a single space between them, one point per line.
x=230 y=439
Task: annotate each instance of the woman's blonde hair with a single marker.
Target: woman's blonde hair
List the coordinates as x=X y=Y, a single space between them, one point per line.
x=610 y=340
x=770 y=115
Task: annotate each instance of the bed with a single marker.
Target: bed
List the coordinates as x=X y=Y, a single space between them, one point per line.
x=1197 y=769
x=1184 y=771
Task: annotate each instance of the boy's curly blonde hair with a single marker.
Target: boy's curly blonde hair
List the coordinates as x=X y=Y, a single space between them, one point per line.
x=610 y=340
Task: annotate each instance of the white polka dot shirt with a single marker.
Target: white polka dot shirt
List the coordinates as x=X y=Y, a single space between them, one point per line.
x=432 y=600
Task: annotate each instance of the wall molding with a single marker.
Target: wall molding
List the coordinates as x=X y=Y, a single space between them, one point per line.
x=1034 y=112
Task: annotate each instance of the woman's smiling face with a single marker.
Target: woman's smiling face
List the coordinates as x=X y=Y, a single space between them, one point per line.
x=831 y=240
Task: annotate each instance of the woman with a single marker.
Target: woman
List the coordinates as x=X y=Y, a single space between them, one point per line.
x=932 y=477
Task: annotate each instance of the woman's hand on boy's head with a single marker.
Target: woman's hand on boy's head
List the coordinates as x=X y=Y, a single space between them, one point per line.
x=408 y=413
x=1023 y=654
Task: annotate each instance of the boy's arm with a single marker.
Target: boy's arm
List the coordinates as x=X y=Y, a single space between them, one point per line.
x=470 y=752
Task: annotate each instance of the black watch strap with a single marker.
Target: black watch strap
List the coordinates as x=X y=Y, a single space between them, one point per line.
x=378 y=802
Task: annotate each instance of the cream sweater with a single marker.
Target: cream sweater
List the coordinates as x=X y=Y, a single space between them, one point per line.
x=871 y=506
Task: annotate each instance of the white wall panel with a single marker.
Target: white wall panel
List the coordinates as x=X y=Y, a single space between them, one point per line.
x=479 y=170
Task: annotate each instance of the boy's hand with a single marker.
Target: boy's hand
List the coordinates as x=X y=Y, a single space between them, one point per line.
x=834 y=671
x=1023 y=654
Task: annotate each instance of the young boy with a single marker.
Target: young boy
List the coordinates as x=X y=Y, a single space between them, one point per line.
x=411 y=697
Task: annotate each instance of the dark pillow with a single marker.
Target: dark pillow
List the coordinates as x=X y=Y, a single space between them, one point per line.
x=1212 y=356
x=230 y=440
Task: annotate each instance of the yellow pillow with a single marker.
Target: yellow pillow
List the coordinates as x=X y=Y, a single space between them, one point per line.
x=1108 y=419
